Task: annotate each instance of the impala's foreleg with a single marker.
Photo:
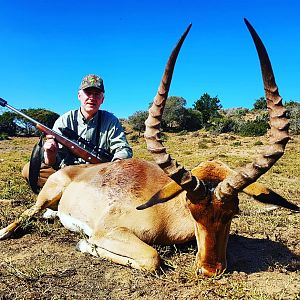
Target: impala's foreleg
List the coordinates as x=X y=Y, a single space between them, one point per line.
x=49 y=196
x=123 y=247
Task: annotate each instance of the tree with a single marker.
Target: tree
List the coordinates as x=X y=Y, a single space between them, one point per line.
x=208 y=106
x=7 y=124
x=173 y=118
x=44 y=116
x=14 y=124
x=260 y=103
x=174 y=113
x=223 y=124
x=137 y=121
x=192 y=120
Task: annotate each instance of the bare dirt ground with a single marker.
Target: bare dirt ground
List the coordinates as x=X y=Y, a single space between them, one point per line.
x=41 y=262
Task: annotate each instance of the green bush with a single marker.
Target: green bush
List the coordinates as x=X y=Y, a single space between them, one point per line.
x=202 y=145
x=137 y=121
x=258 y=143
x=260 y=103
x=293 y=113
x=192 y=120
x=236 y=144
x=257 y=127
x=223 y=125
x=236 y=112
x=3 y=136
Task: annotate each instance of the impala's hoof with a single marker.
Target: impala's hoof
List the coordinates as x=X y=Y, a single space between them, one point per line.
x=83 y=246
x=211 y=270
x=50 y=214
x=5 y=233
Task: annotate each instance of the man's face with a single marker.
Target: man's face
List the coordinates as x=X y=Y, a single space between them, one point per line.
x=90 y=99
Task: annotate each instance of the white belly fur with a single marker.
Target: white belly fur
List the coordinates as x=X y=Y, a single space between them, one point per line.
x=73 y=224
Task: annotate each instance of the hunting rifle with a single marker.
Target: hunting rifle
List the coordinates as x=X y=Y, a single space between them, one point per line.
x=73 y=146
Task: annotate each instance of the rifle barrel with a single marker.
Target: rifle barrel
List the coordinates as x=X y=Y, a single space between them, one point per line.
x=4 y=103
x=72 y=146
x=23 y=115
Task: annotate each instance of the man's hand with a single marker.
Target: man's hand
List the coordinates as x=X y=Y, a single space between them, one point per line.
x=50 y=150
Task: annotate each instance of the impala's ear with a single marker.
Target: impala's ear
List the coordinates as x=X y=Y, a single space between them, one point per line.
x=264 y=195
x=168 y=192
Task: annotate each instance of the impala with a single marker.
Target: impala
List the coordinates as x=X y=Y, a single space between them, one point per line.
x=109 y=201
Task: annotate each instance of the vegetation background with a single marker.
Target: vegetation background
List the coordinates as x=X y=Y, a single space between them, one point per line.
x=206 y=113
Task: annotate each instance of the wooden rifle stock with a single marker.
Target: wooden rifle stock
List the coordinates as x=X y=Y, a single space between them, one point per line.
x=73 y=147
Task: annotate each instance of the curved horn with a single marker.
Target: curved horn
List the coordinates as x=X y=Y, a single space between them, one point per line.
x=279 y=130
x=181 y=176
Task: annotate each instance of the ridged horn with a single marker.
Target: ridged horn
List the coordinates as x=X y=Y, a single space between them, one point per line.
x=170 y=166
x=279 y=130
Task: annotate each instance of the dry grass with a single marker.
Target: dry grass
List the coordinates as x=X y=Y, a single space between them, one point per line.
x=41 y=262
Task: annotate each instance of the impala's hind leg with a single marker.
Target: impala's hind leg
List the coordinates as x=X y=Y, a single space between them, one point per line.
x=49 y=196
x=123 y=247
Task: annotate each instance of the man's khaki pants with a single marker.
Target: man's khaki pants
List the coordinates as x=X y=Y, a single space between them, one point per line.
x=45 y=172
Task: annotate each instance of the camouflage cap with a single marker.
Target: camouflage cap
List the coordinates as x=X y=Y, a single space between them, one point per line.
x=92 y=80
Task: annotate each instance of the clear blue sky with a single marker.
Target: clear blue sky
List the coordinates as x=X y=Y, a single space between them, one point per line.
x=48 y=46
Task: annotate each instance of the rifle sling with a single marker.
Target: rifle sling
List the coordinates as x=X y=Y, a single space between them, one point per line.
x=98 y=126
x=98 y=130
x=35 y=165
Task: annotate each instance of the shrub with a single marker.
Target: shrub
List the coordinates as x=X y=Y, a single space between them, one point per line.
x=236 y=144
x=236 y=112
x=192 y=120
x=202 y=145
x=137 y=121
x=293 y=112
x=257 y=127
x=223 y=125
x=163 y=136
x=258 y=143
x=3 y=136
x=260 y=103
